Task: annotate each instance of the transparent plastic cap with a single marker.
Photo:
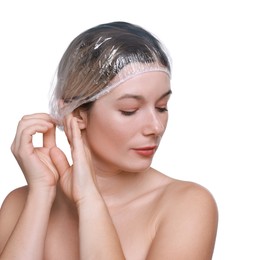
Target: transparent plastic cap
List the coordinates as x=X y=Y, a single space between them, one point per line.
x=97 y=66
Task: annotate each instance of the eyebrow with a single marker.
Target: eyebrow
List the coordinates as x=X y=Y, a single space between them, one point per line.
x=139 y=97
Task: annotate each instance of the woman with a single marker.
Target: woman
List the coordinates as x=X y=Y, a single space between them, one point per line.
x=110 y=98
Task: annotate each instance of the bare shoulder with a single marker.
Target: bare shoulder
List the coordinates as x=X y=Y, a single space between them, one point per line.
x=188 y=195
x=13 y=205
x=179 y=194
x=187 y=222
x=10 y=212
x=15 y=199
x=183 y=200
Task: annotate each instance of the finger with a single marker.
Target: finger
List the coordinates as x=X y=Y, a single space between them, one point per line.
x=44 y=116
x=81 y=156
x=24 y=141
x=67 y=127
x=25 y=137
x=77 y=142
x=49 y=138
x=26 y=122
x=80 y=152
x=60 y=160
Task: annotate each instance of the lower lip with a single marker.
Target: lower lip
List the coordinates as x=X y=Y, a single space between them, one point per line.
x=145 y=152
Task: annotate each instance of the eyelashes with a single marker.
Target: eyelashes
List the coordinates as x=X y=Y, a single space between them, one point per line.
x=127 y=113
x=132 y=112
x=162 y=109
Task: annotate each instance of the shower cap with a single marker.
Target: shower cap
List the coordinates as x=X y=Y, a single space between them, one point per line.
x=99 y=60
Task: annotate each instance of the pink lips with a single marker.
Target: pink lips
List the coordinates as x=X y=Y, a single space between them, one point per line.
x=146 y=151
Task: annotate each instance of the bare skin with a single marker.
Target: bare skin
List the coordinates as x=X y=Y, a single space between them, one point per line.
x=110 y=204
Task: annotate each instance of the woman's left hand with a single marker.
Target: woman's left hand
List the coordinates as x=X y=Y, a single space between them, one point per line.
x=78 y=179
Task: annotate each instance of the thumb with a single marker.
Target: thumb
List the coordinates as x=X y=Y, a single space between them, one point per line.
x=60 y=160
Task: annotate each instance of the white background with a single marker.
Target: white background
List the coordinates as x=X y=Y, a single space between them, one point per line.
x=213 y=134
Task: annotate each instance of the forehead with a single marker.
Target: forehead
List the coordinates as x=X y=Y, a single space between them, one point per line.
x=147 y=83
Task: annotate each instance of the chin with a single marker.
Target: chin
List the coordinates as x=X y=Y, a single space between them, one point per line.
x=141 y=167
x=126 y=165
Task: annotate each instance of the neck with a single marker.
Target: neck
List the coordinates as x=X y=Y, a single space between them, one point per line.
x=120 y=186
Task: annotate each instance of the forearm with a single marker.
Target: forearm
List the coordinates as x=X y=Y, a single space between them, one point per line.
x=28 y=237
x=98 y=236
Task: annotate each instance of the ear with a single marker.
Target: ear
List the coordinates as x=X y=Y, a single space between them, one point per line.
x=81 y=117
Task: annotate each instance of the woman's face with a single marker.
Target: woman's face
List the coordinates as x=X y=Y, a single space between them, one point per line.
x=125 y=126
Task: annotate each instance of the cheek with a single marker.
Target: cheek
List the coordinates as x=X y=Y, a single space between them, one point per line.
x=109 y=131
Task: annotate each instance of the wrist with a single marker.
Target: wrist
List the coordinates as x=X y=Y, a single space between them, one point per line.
x=42 y=194
x=89 y=201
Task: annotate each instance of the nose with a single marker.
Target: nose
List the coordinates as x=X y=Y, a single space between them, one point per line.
x=154 y=123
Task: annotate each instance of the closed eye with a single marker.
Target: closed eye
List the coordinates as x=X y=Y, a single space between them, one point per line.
x=127 y=113
x=162 y=109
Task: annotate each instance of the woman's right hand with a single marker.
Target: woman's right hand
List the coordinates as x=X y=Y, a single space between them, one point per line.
x=35 y=162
